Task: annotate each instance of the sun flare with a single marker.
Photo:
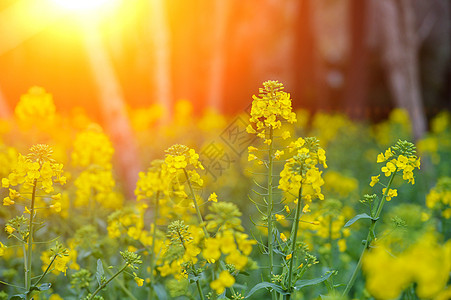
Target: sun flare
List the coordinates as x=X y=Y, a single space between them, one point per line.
x=81 y=5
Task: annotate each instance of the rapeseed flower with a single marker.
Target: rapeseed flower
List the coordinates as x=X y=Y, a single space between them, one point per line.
x=224 y=280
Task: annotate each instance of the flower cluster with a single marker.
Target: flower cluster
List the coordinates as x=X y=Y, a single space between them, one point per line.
x=400 y=157
x=35 y=108
x=92 y=147
x=182 y=251
x=159 y=180
x=181 y=157
x=340 y=184
x=183 y=161
x=58 y=258
x=224 y=280
x=427 y=263
x=439 y=197
x=8 y=158
x=397 y=126
x=270 y=108
x=125 y=221
x=93 y=152
x=37 y=169
x=228 y=239
x=301 y=170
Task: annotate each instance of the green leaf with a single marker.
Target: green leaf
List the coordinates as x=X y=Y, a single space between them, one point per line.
x=42 y=287
x=265 y=285
x=303 y=283
x=100 y=274
x=193 y=278
x=358 y=217
x=160 y=291
x=18 y=297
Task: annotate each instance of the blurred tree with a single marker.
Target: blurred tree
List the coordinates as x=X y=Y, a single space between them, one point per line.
x=215 y=92
x=357 y=77
x=434 y=33
x=399 y=46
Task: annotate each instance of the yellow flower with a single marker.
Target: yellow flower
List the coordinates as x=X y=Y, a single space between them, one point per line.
x=213 y=197
x=289 y=256
x=56 y=207
x=283 y=237
x=228 y=243
x=341 y=245
x=380 y=158
x=211 y=251
x=139 y=281
x=374 y=180
x=279 y=217
x=270 y=108
x=285 y=135
x=92 y=147
x=7 y=201
x=278 y=154
x=391 y=193
x=287 y=209
x=2 y=249
x=36 y=108
x=237 y=259
x=5 y=182
x=224 y=280
x=9 y=229
x=389 y=168
x=251 y=149
x=251 y=157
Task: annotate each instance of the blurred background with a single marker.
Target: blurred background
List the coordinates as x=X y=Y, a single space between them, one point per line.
x=360 y=57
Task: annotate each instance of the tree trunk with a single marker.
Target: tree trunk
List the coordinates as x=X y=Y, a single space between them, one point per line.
x=113 y=109
x=399 y=47
x=356 y=89
x=221 y=11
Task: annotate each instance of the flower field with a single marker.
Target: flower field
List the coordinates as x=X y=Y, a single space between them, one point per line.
x=273 y=203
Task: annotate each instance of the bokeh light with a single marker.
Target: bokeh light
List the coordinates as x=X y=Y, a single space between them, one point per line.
x=82 y=5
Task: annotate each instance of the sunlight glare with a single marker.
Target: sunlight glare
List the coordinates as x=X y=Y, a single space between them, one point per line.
x=81 y=5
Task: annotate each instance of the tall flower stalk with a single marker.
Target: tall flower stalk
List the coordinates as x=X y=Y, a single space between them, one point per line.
x=33 y=173
x=269 y=109
x=301 y=174
x=399 y=159
x=29 y=255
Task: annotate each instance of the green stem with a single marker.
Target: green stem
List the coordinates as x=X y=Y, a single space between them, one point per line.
x=331 y=258
x=368 y=238
x=294 y=233
x=200 y=290
x=108 y=281
x=30 y=242
x=200 y=219
x=46 y=270
x=25 y=263
x=154 y=238
x=13 y=285
x=193 y=196
x=270 y=210
x=123 y=287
